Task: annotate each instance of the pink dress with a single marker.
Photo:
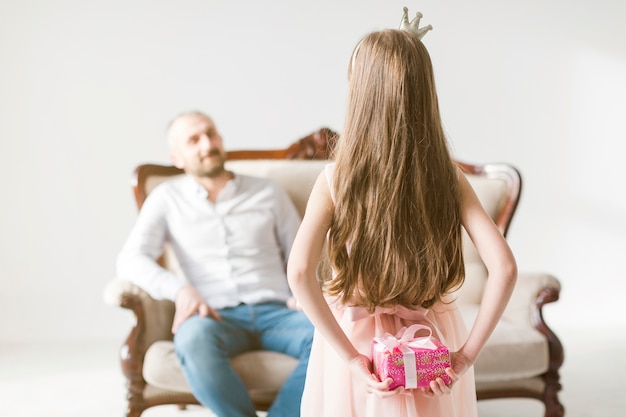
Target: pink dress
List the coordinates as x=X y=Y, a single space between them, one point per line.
x=330 y=390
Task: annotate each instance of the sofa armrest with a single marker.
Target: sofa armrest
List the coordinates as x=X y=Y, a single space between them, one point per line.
x=154 y=317
x=530 y=289
x=153 y=322
x=531 y=293
x=116 y=289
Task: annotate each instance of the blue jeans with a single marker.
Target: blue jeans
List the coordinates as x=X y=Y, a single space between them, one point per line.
x=205 y=346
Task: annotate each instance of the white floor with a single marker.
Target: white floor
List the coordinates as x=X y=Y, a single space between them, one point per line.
x=84 y=380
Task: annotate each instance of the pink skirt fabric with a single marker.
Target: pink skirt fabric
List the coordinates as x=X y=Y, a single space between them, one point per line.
x=330 y=390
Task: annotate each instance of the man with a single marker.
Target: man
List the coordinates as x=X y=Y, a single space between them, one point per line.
x=231 y=235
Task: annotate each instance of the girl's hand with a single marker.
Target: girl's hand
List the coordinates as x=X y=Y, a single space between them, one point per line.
x=459 y=363
x=362 y=367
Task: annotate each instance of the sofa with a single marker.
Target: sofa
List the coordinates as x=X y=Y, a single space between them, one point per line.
x=521 y=359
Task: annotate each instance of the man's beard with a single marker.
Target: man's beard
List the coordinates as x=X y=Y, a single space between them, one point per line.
x=214 y=169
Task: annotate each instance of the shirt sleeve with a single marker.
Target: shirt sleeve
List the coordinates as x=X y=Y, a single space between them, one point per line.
x=136 y=261
x=287 y=221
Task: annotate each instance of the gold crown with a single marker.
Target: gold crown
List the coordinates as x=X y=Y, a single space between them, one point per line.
x=413 y=26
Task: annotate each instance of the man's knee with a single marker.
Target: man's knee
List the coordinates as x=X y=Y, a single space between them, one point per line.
x=196 y=334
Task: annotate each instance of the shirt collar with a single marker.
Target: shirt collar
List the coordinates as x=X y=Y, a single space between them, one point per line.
x=228 y=192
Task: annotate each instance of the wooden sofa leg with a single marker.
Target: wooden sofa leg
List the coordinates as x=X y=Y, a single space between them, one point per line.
x=554 y=408
x=134 y=410
x=134 y=395
x=182 y=406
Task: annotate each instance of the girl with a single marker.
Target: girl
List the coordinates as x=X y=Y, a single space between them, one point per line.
x=391 y=211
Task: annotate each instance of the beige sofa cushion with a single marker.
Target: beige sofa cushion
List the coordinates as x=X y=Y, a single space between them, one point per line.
x=512 y=352
x=263 y=373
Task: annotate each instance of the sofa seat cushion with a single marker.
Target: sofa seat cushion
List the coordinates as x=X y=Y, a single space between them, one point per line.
x=513 y=351
x=262 y=372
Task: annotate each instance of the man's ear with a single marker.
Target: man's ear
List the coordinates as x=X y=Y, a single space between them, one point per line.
x=176 y=161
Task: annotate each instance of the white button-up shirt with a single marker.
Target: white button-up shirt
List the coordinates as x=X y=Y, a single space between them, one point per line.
x=232 y=251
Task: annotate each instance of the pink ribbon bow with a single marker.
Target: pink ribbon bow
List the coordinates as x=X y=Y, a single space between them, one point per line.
x=404 y=340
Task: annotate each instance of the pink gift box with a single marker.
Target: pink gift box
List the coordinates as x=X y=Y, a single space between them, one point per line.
x=412 y=362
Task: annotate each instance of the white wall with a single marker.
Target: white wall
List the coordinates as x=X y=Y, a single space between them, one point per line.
x=86 y=89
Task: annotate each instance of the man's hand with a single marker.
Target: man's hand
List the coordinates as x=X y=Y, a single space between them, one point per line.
x=188 y=303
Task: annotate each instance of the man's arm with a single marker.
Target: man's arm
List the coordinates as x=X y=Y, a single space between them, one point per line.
x=287 y=222
x=136 y=261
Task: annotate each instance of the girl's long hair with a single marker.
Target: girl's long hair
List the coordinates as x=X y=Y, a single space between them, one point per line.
x=396 y=235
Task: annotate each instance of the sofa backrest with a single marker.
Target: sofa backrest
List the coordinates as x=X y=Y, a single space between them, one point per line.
x=295 y=176
x=490 y=192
